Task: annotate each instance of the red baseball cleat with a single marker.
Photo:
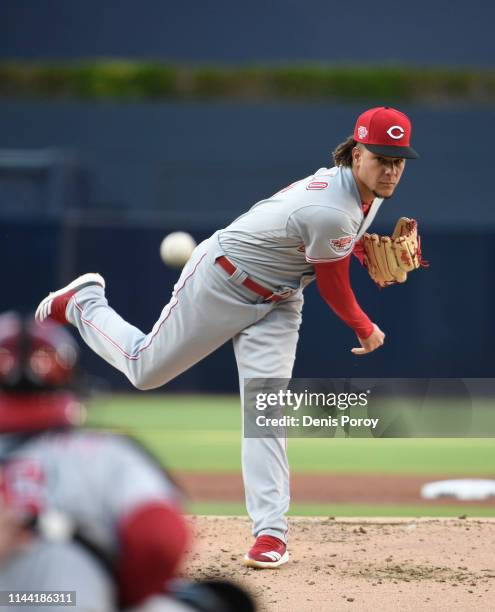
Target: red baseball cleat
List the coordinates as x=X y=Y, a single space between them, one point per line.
x=55 y=304
x=267 y=552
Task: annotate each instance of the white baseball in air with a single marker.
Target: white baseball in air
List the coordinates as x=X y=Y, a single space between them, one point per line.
x=176 y=248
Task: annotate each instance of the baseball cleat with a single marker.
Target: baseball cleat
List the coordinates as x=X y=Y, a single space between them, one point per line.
x=268 y=552
x=55 y=304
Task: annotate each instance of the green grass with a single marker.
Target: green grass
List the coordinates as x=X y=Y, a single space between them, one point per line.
x=203 y=433
x=237 y=509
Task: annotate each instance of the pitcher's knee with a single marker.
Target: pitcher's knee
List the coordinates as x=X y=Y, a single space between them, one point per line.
x=143 y=383
x=142 y=386
x=147 y=380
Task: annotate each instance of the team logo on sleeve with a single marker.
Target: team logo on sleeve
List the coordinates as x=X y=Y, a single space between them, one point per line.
x=23 y=483
x=341 y=244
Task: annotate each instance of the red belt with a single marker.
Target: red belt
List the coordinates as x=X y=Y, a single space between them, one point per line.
x=269 y=296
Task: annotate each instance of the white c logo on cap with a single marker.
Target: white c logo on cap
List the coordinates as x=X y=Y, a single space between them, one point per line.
x=399 y=132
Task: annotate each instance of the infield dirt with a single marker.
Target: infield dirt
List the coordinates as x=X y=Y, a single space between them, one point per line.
x=325 y=488
x=364 y=565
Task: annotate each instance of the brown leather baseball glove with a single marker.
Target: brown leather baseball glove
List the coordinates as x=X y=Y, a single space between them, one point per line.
x=388 y=259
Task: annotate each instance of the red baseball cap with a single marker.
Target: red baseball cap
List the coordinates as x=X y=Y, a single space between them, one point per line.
x=385 y=131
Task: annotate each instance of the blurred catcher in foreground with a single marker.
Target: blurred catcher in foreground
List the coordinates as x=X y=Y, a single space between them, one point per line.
x=83 y=511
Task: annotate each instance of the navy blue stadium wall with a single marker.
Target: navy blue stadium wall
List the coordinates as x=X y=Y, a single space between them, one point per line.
x=444 y=32
x=157 y=168
x=203 y=164
x=438 y=324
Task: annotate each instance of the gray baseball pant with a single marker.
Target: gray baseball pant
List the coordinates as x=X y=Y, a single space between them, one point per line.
x=208 y=308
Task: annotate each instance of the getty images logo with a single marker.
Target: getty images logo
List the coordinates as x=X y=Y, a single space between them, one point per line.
x=396 y=132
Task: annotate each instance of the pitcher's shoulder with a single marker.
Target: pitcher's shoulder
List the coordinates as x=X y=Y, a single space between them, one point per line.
x=330 y=188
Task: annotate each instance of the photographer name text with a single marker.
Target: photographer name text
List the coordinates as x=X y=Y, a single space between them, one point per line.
x=342 y=420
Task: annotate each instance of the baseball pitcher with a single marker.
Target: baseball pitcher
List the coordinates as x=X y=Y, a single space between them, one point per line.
x=245 y=283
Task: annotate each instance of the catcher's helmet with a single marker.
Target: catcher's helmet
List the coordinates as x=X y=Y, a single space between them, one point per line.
x=38 y=375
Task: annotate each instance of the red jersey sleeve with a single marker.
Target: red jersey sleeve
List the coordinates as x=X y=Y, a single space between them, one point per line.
x=334 y=285
x=358 y=251
x=153 y=539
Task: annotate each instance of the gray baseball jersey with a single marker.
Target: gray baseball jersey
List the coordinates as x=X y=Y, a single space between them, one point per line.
x=92 y=479
x=316 y=219
x=276 y=243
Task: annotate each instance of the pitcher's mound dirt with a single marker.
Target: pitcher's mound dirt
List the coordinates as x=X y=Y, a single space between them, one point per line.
x=363 y=565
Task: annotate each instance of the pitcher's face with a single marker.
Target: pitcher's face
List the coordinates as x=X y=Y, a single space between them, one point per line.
x=375 y=174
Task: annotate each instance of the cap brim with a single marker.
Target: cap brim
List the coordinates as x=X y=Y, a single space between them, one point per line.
x=391 y=151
